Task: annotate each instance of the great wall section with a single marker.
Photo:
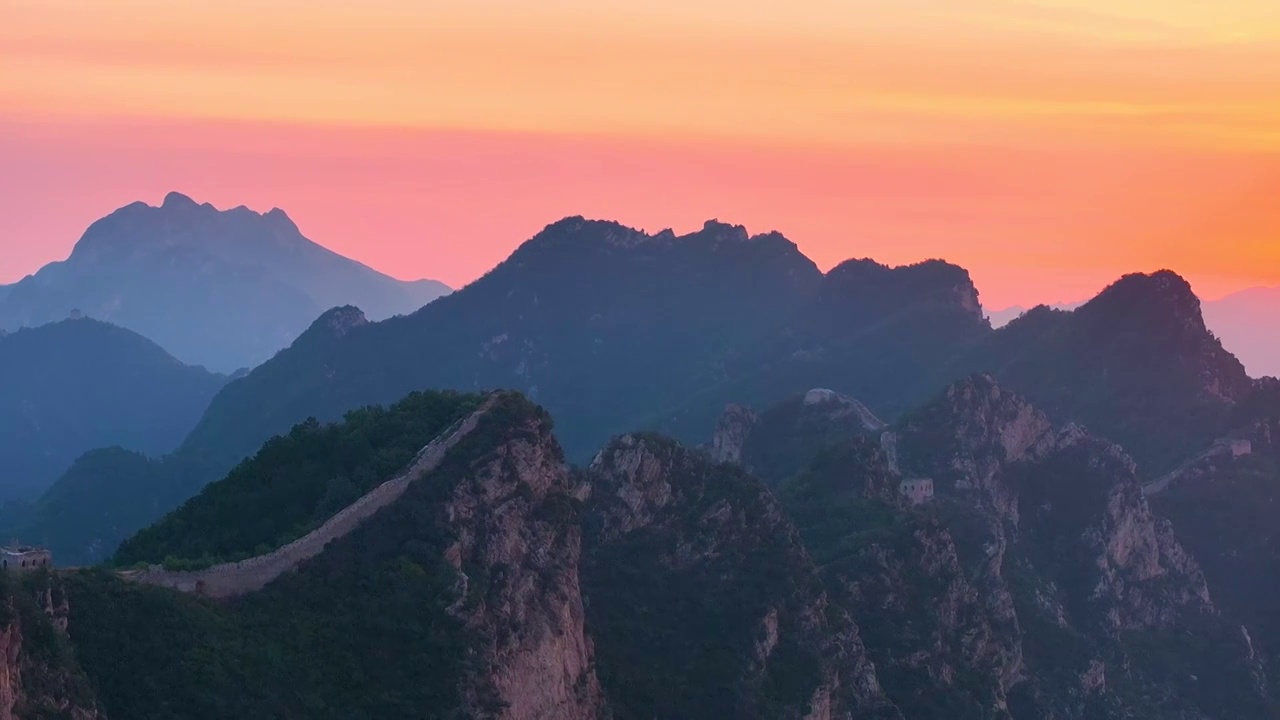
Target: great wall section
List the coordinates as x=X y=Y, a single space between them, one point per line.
x=229 y=580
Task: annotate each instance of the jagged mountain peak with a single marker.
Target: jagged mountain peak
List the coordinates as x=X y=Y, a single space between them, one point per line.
x=340 y=320
x=777 y=441
x=646 y=478
x=981 y=414
x=968 y=434
x=578 y=230
x=221 y=288
x=1136 y=364
x=867 y=283
x=181 y=221
x=1035 y=316
x=1161 y=311
x=637 y=468
x=582 y=233
x=1162 y=297
x=725 y=230
x=979 y=402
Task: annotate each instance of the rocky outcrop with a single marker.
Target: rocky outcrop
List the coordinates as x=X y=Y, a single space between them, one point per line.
x=732 y=430
x=1136 y=364
x=1223 y=506
x=938 y=623
x=516 y=552
x=39 y=677
x=967 y=437
x=703 y=601
x=780 y=440
x=501 y=492
x=1132 y=572
x=941 y=634
x=340 y=321
x=1038 y=584
x=1052 y=485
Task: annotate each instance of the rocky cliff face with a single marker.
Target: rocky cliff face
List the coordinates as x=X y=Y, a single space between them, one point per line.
x=39 y=677
x=732 y=430
x=1037 y=583
x=1051 y=485
x=943 y=634
x=927 y=589
x=967 y=437
x=660 y=581
x=779 y=441
x=703 y=601
x=516 y=551
x=456 y=596
x=1223 y=506
x=1135 y=364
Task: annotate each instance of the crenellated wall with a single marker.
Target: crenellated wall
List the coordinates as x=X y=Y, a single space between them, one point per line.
x=253 y=574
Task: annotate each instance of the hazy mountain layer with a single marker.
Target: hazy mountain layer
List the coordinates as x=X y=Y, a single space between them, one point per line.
x=223 y=289
x=613 y=330
x=77 y=385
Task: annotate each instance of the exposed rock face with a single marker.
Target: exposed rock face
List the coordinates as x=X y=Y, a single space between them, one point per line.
x=43 y=681
x=941 y=634
x=1039 y=585
x=940 y=627
x=1133 y=573
x=342 y=319
x=779 y=441
x=456 y=595
x=513 y=519
x=732 y=430
x=702 y=600
x=1136 y=364
x=1223 y=506
x=965 y=439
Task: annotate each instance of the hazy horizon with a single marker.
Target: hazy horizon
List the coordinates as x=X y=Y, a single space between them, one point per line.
x=994 y=309
x=1049 y=147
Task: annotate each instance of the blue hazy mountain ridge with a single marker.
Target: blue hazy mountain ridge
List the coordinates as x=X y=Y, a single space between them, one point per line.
x=76 y=385
x=225 y=289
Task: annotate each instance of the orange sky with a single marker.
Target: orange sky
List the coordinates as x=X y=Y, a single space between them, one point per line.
x=1047 y=146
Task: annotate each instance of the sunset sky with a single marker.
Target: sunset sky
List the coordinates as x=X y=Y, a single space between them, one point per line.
x=1048 y=146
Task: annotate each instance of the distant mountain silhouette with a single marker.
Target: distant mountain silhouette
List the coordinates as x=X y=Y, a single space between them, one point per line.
x=614 y=330
x=77 y=385
x=611 y=329
x=1240 y=320
x=1135 y=364
x=600 y=322
x=1004 y=316
x=881 y=334
x=1248 y=322
x=224 y=289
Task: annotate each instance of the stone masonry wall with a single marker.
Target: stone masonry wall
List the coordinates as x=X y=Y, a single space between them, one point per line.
x=253 y=574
